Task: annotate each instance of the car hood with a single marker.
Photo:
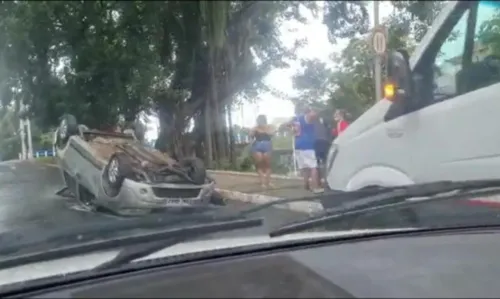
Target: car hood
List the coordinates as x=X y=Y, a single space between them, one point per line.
x=88 y=261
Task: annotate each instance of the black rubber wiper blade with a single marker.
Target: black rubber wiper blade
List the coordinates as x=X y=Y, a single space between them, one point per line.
x=428 y=192
x=14 y=241
x=136 y=252
x=354 y=198
x=336 y=196
x=181 y=233
x=415 y=190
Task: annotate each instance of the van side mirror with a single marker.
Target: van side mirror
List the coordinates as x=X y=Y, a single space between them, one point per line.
x=399 y=73
x=401 y=81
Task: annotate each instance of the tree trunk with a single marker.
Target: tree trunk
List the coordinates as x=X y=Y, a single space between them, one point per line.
x=232 y=156
x=224 y=132
x=208 y=135
x=199 y=136
x=164 y=121
x=218 y=123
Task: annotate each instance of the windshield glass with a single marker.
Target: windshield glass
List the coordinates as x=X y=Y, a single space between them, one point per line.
x=126 y=118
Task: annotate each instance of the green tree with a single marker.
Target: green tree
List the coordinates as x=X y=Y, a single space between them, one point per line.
x=351 y=85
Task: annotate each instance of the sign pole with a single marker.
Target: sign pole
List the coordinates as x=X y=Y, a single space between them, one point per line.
x=378 y=62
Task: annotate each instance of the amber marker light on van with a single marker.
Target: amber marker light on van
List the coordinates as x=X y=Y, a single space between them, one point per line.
x=389 y=91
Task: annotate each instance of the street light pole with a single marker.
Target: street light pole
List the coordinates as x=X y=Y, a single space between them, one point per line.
x=378 y=62
x=30 y=140
x=25 y=132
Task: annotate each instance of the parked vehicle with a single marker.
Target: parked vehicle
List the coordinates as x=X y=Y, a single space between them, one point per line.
x=438 y=120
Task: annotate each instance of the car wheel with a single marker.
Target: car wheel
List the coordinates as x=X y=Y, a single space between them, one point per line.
x=118 y=169
x=195 y=169
x=67 y=127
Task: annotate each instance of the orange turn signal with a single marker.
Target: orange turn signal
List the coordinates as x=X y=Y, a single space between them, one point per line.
x=389 y=91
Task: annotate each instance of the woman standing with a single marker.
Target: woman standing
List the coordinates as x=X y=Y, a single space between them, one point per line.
x=341 y=122
x=261 y=149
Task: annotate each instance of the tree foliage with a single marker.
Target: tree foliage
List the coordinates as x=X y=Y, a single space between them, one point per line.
x=186 y=61
x=351 y=86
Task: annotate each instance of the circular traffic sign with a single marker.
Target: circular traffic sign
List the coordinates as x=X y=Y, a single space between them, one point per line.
x=379 y=41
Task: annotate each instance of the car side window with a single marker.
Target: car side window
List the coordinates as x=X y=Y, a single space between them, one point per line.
x=469 y=58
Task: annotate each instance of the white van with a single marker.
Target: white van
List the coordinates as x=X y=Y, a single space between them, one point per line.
x=444 y=123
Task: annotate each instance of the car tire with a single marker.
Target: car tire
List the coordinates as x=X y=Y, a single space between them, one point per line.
x=195 y=169
x=67 y=127
x=116 y=171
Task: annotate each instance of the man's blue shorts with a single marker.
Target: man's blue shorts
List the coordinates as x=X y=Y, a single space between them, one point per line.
x=264 y=146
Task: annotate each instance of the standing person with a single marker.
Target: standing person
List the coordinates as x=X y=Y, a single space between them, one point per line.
x=341 y=122
x=303 y=127
x=321 y=146
x=261 y=149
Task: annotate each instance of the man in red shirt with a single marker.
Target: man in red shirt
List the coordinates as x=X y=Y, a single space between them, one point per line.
x=342 y=124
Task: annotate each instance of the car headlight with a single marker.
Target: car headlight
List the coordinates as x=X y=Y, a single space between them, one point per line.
x=331 y=156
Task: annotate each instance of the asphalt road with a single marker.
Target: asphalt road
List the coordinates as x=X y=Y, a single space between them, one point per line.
x=30 y=210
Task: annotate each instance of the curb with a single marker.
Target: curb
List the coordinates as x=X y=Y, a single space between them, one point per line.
x=252 y=174
x=307 y=207
x=51 y=165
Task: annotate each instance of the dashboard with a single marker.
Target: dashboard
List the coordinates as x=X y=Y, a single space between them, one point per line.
x=446 y=265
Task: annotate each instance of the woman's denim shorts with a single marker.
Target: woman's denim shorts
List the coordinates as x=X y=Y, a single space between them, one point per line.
x=264 y=146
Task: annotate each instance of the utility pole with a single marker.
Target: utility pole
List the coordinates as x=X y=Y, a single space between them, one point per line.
x=25 y=132
x=30 y=140
x=378 y=62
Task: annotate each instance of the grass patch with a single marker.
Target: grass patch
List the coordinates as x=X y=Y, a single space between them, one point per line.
x=46 y=160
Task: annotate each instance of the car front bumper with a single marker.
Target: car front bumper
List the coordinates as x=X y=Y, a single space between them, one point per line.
x=139 y=195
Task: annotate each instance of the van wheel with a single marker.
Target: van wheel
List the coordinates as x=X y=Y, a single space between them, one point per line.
x=116 y=171
x=67 y=127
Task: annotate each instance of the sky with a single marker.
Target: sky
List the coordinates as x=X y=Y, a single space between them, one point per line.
x=318 y=46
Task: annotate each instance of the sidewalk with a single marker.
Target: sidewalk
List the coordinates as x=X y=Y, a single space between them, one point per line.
x=246 y=188
x=286 y=188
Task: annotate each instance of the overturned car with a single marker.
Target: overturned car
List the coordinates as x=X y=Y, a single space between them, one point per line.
x=114 y=171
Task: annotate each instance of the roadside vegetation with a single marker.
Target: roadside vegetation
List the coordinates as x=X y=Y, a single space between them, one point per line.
x=188 y=63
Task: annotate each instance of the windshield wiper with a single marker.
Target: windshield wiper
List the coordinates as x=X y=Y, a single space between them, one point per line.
x=169 y=236
x=353 y=203
x=395 y=198
x=16 y=240
x=86 y=233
